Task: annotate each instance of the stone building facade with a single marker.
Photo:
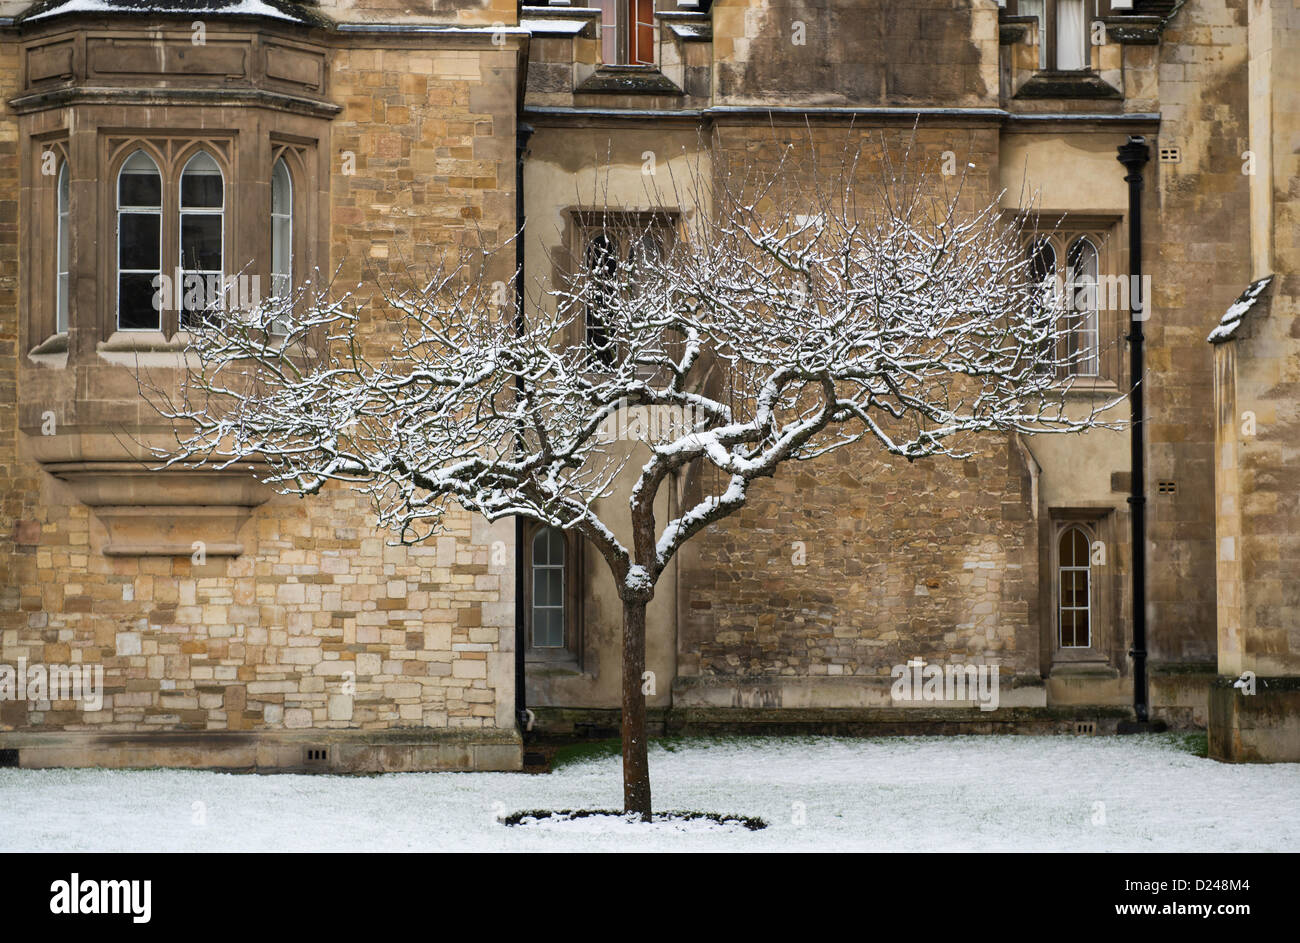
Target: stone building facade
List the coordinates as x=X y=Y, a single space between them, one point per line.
x=238 y=628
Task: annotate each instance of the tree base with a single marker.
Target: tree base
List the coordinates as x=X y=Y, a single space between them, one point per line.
x=615 y=818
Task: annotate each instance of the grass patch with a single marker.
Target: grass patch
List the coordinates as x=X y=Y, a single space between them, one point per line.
x=1195 y=743
x=585 y=750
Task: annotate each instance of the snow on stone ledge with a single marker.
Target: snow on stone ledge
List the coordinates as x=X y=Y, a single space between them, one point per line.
x=1232 y=318
x=273 y=9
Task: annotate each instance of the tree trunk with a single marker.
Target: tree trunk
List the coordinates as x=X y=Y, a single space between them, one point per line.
x=636 y=763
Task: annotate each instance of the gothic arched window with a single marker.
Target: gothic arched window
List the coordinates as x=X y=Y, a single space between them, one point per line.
x=1074 y=599
x=139 y=244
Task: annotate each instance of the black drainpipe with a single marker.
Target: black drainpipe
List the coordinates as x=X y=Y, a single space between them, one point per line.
x=522 y=133
x=1134 y=155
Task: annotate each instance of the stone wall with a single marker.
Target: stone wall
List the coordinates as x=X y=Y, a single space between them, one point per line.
x=853 y=563
x=1197 y=247
x=941 y=53
x=271 y=638
x=319 y=631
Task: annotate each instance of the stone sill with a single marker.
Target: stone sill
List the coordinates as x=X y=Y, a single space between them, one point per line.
x=51 y=352
x=687 y=25
x=1084 y=670
x=1088 y=386
x=627 y=80
x=146 y=349
x=154 y=349
x=556 y=669
x=1068 y=85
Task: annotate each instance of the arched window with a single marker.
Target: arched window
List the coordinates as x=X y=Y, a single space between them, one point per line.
x=646 y=250
x=1042 y=272
x=1083 y=351
x=61 y=291
x=1042 y=263
x=602 y=264
x=1074 y=568
x=139 y=244
x=548 y=589
x=202 y=238
x=281 y=231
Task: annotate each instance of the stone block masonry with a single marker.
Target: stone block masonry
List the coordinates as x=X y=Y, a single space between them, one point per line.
x=320 y=645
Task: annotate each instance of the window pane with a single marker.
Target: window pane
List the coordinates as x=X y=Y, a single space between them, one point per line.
x=281 y=189
x=1076 y=589
x=1042 y=267
x=280 y=289
x=1070 y=35
x=1035 y=8
x=602 y=264
x=140 y=189
x=541 y=596
x=200 y=190
x=555 y=589
x=1084 y=346
x=201 y=182
x=1067 y=548
x=201 y=242
x=548 y=628
x=608 y=29
x=138 y=235
x=1081 y=548
x=62 y=324
x=61 y=293
x=280 y=246
x=135 y=297
x=641 y=32
x=1067 y=628
x=541 y=546
x=63 y=242
x=198 y=311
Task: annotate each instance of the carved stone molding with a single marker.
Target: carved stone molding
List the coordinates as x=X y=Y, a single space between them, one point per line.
x=166 y=513
x=92 y=66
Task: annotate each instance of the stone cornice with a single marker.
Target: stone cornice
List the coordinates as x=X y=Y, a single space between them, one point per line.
x=62 y=97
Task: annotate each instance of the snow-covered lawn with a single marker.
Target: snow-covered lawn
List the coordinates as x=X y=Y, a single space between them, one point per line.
x=899 y=794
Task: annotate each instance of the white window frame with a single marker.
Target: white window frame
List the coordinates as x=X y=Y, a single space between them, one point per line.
x=136 y=211
x=281 y=282
x=62 y=280
x=1061 y=570
x=181 y=212
x=549 y=565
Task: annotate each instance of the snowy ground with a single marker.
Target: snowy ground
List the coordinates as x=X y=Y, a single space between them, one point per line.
x=909 y=794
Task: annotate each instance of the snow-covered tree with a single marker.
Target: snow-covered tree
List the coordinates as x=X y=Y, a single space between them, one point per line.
x=799 y=306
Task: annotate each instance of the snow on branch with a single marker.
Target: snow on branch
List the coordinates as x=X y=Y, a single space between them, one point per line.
x=819 y=299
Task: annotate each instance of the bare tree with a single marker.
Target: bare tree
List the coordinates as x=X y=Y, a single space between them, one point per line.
x=802 y=305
